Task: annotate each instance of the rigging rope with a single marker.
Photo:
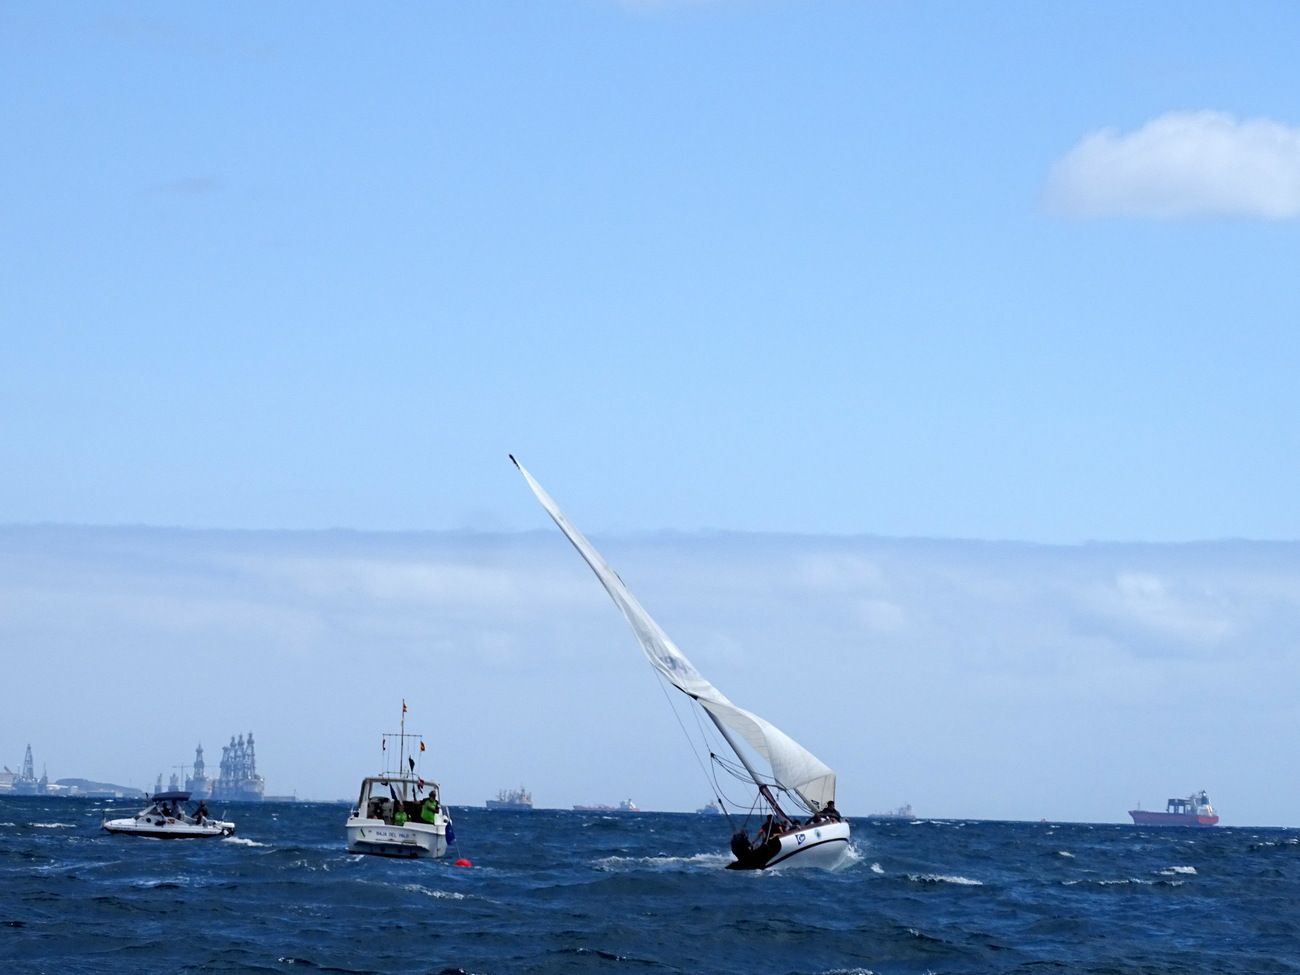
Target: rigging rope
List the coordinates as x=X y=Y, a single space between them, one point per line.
x=694 y=751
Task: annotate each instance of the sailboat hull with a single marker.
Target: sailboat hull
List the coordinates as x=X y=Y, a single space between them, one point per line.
x=822 y=846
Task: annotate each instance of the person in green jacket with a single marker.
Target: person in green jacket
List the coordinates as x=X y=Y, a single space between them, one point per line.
x=429 y=809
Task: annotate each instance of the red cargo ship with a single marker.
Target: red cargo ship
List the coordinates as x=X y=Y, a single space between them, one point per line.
x=1195 y=810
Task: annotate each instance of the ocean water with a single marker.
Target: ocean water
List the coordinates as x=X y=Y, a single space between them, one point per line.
x=569 y=892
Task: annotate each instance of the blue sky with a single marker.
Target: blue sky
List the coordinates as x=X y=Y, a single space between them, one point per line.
x=773 y=266
x=1025 y=272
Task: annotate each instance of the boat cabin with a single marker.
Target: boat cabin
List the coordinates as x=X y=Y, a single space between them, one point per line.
x=396 y=800
x=1193 y=805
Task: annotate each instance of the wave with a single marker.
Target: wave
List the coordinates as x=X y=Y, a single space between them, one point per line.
x=450 y=895
x=851 y=858
x=1065 y=853
x=944 y=878
x=618 y=863
x=877 y=868
x=1172 y=871
x=1125 y=882
x=53 y=825
x=242 y=841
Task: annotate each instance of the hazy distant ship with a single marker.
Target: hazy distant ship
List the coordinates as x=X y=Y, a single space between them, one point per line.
x=1195 y=810
x=626 y=806
x=902 y=812
x=238 y=779
x=512 y=799
x=710 y=809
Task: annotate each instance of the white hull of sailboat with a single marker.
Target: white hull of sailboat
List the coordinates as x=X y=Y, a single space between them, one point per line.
x=824 y=845
x=411 y=840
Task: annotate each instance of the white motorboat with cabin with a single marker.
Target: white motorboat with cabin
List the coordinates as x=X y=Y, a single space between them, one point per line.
x=165 y=818
x=795 y=797
x=400 y=813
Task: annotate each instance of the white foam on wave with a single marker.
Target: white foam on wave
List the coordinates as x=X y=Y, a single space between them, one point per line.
x=851 y=857
x=242 y=841
x=1065 y=853
x=1172 y=871
x=53 y=825
x=877 y=868
x=617 y=863
x=450 y=895
x=944 y=878
x=8 y=824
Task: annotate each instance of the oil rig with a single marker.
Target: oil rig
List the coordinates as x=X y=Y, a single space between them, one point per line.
x=238 y=778
x=26 y=783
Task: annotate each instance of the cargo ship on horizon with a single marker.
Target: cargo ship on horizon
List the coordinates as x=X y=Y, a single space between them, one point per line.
x=1195 y=810
x=514 y=800
x=626 y=806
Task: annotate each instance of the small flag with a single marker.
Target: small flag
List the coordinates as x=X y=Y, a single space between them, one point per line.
x=403 y=705
x=383 y=744
x=421 y=746
x=411 y=761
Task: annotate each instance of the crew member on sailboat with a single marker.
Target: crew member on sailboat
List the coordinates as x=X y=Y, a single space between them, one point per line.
x=802 y=779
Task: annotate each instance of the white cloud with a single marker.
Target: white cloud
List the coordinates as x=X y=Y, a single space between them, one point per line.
x=1182 y=164
x=948 y=663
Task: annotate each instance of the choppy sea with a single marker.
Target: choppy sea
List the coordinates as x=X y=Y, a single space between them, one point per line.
x=553 y=891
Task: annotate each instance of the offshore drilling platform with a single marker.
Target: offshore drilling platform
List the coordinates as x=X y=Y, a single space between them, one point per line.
x=237 y=778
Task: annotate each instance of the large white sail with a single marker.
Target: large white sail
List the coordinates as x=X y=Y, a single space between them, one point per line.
x=793 y=767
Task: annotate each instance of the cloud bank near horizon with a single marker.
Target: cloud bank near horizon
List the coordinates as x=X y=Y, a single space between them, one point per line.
x=970 y=679
x=1182 y=165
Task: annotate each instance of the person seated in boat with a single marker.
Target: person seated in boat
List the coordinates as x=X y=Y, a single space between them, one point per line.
x=201 y=814
x=765 y=831
x=829 y=813
x=741 y=848
x=429 y=808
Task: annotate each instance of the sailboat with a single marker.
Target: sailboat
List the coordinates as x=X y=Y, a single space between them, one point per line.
x=796 y=795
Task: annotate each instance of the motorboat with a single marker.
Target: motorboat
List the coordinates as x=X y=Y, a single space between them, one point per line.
x=400 y=813
x=795 y=789
x=165 y=818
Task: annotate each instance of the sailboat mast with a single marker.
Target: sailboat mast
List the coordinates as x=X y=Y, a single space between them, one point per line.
x=762 y=787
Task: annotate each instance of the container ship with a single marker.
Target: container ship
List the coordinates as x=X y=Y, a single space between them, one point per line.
x=512 y=799
x=1195 y=810
x=626 y=806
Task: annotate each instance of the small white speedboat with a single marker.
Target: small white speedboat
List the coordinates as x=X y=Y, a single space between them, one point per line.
x=165 y=818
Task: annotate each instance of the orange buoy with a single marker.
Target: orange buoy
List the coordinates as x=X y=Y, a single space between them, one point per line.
x=462 y=862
